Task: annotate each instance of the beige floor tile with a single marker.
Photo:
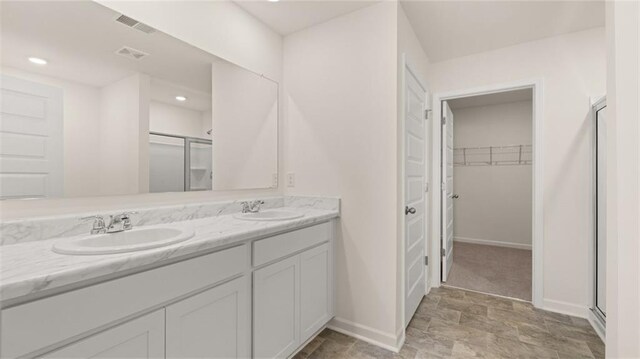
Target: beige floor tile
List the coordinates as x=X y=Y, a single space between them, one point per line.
x=499 y=328
x=463 y=306
x=364 y=350
x=534 y=335
x=457 y=324
x=330 y=349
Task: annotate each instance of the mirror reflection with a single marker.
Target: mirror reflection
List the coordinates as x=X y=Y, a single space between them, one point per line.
x=96 y=103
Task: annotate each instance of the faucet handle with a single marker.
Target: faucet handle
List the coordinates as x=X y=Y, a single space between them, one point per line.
x=98 y=223
x=125 y=217
x=245 y=206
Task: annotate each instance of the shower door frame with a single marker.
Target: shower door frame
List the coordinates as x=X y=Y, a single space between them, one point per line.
x=599 y=315
x=187 y=154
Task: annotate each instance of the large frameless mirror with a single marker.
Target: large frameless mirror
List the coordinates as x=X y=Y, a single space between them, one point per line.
x=96 y=103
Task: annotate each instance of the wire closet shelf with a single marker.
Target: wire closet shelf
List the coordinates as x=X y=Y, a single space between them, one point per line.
x=511 y=155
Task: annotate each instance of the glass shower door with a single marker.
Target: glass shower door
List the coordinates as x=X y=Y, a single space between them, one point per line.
x=199 y=170
x=166 y=164
x=600 y=300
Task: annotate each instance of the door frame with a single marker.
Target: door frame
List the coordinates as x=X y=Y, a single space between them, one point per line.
x=407 y=67
x=538 y=177
x=595 y=315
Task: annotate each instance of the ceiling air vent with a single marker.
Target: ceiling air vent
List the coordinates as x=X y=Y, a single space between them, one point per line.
x=124 y=19
x=131 y=53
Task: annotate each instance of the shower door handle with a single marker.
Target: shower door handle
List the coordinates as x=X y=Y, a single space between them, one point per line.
x=408 y=210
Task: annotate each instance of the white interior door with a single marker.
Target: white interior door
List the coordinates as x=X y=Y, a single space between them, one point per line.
x=30 y=140
x=414 y=164
x=447 y=190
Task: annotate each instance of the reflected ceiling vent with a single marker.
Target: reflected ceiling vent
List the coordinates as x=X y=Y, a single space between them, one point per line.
x=123 y=19
x=131 y=53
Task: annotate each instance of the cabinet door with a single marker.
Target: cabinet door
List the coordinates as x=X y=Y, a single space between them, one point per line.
x=140 y=338
x=316 y=289
x=276 y=309
x=212 y=324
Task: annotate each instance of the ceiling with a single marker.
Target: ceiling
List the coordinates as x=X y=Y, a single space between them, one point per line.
x=288 y=16
x=450 y=29
x=447 y=29
x=79 y=40
x=492 y=99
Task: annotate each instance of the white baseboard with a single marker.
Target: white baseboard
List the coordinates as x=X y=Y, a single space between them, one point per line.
x=370 y=335
x=489 y=242
x=565 y=308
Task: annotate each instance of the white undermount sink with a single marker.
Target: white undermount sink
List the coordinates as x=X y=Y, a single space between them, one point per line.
x=269 y=215
x=121 y=242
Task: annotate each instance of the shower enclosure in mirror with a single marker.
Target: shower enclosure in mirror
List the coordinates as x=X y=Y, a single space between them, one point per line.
x=96 y=103
x=600 y=244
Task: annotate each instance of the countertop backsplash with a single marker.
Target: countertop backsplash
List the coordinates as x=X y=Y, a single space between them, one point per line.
x=42 y=228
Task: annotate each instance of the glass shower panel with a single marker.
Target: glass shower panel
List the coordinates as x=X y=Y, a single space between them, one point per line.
x=200 y=165
x=166 y=164
x=601 y=214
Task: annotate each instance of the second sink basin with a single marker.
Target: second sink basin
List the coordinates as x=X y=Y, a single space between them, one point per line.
x=126 y=241
x=269 y=215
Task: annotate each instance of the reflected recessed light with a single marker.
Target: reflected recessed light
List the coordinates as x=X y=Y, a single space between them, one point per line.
x=38 y=61
x=181 y=98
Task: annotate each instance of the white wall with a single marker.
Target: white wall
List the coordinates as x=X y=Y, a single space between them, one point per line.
x=219 y=27
x=340 y=93
x=572 y=68
x=81 y=122
x=178 y=120
x=495 y=202
x=623 y=170
x=245 y=138
x=122 y=134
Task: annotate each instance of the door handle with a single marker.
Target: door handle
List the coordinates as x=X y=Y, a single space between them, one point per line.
x=455 y=196
x=408 y=210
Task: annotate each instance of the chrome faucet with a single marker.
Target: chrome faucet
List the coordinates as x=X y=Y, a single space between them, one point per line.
x=251 y=206
x=117 y=223
x=120 y=222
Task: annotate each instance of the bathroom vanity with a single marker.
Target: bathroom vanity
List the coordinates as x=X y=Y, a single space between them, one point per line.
x=237 y=289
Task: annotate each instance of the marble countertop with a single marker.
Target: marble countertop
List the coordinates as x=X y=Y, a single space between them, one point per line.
x=32 y=267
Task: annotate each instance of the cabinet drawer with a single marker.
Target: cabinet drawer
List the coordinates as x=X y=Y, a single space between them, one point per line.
x=272 y=248
x=35 y=325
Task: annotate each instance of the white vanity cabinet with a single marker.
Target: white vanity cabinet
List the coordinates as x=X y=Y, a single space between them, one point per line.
x=262 y=298
x=139 y=338
x=293 y=296
x=316 y=289
x=276 y=308
x=212 y=324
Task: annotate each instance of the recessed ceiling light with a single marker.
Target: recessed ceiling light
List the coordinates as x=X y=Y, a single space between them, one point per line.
x=37 y=61
x=181 y=98
x=273 y=0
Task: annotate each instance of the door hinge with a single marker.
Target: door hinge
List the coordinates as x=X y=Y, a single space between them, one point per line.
x=442 y=252
x=426 y=260
x=426 y=186
x=426 y=114
x=444 y=120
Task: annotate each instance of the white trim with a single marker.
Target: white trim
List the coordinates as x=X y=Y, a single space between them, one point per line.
x=597 y=326
x=488 y=242
x=562 y=307
x=538 y=176
x=370 y=335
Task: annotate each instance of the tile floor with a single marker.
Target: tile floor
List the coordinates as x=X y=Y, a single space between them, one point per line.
x=452 y=323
